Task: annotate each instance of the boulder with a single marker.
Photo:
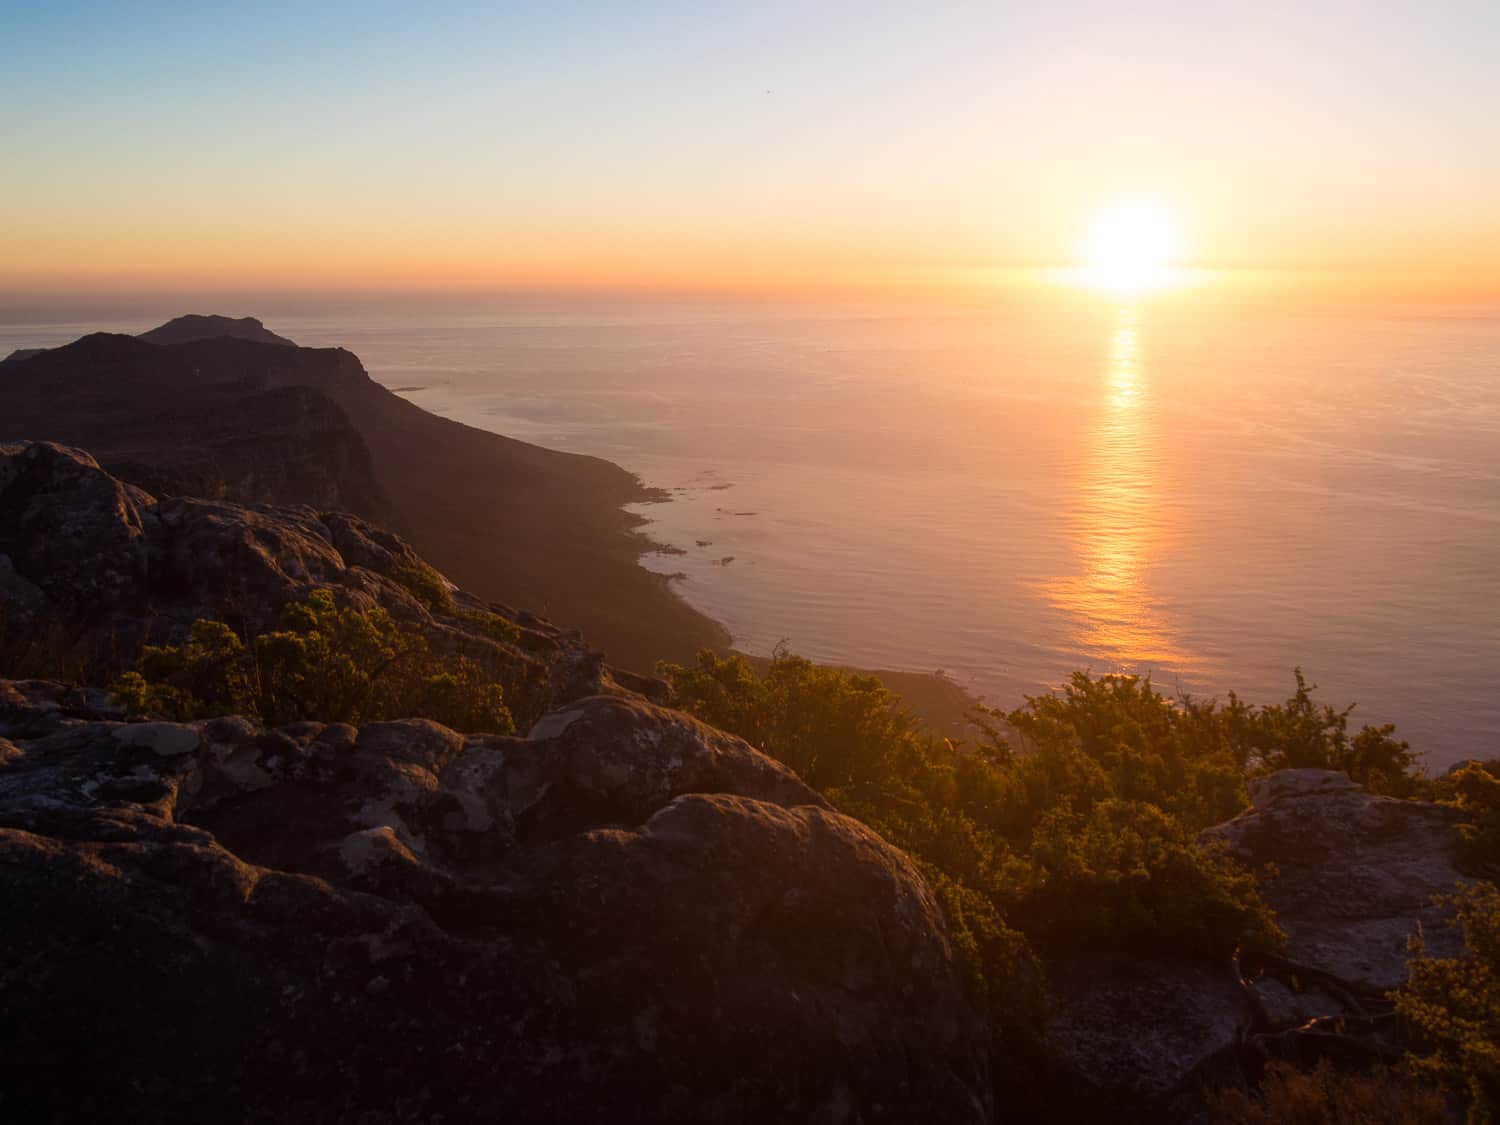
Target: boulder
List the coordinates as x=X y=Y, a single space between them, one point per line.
x=1134 y=1033
x=1352 y=876
x=627 y=917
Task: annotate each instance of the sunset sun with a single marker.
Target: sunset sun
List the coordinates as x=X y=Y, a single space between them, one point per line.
x=1131 y=248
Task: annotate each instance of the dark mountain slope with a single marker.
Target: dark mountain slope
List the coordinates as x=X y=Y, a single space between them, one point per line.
x=163 y=421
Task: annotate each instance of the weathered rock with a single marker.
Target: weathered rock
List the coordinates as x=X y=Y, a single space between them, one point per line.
x=1134 y=1033
x=1351 y=876
x=628 y=917
x=1282 y=1006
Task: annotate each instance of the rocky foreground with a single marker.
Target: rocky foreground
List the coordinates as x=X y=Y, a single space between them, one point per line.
x=624 y=915
x=627 y=917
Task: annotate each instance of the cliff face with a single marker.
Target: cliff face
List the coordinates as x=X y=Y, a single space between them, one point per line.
x=259 y=422
x=625 y=916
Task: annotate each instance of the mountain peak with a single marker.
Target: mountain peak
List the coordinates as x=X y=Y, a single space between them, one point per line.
x=194 y=326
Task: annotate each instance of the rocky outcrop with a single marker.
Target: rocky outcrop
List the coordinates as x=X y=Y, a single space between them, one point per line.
x=626 y=917
x=1352 y=876
x=1135 y=1035
x=204 y=426
x=92 y=568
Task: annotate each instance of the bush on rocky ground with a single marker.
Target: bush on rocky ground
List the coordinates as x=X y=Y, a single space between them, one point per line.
x=325 y=663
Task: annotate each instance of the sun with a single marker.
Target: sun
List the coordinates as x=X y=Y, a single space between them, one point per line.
x=1131 y=248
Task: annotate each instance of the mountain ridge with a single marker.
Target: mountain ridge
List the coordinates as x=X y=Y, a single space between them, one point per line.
x=198 y=326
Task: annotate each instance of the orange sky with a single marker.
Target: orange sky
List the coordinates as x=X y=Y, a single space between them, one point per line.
x=793 y=146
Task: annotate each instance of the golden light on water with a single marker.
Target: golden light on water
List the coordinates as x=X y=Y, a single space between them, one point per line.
x=1120 y=526
x=1130 y=249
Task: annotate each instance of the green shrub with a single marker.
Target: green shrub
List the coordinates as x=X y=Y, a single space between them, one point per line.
x=426 y=585
x=490 y=625
x=1115 y=737
x=431 y=589
x=836 y=729
x=1475 y=788
x=1300 y=734
x=1128 y=875
x=1455 y=1004
x=209 y=674
x=463 y=697
x=325 y=662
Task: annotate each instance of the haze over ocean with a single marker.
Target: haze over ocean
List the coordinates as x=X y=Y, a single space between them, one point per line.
x=1210 y=491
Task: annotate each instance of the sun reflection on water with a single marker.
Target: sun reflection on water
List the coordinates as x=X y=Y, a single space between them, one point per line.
x=1119 y=524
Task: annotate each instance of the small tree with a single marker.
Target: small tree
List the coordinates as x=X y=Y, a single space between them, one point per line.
x=326 y=662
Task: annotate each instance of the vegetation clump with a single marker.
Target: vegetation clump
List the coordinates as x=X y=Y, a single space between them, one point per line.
x=431 y=589
x=426 y=585
x=1454 y=1003
x=1301 y=734
x=325 y=662
x=1474 y=787
x=490 y=625
x=1325 y=1096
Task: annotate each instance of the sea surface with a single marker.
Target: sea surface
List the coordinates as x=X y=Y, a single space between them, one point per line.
x=1211 y=491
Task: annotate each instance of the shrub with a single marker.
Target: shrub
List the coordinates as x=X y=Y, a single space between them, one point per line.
x=431 y=589
x=1300 y=734
x=209 y=674
x=1324 y=1096
x=1114 y=736
x=1475 y=788
x=491 y=625
x=1455 y=1003
x=426 y=585
x=1129 y=875
x=836 y=729
x=325 y=662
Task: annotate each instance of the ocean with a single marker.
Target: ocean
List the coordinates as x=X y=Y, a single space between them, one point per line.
x=1207 y=490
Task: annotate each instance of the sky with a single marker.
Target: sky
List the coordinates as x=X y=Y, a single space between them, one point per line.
x=747 y=145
